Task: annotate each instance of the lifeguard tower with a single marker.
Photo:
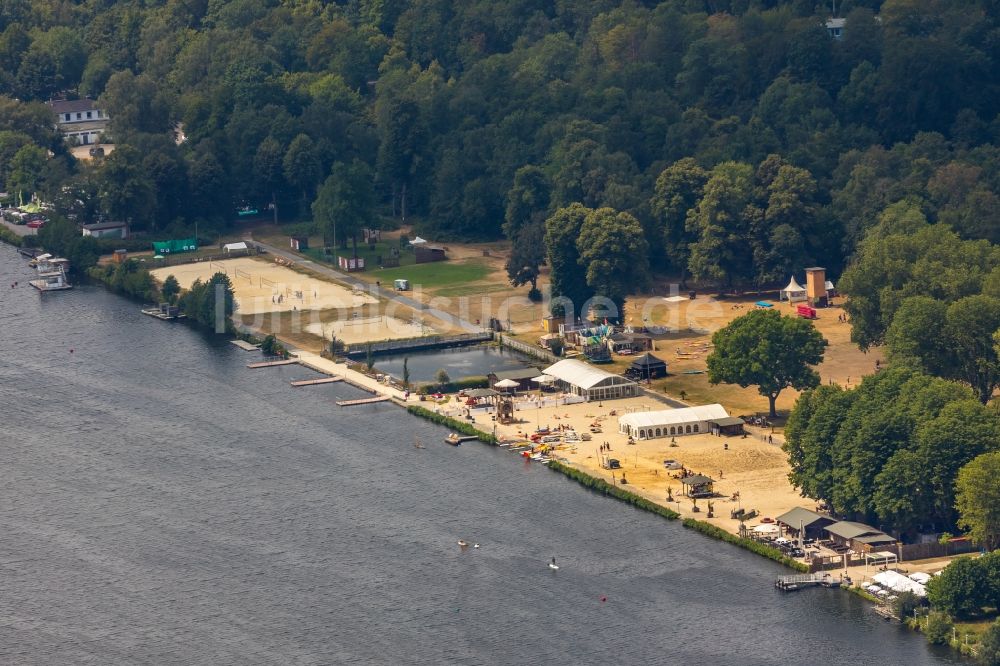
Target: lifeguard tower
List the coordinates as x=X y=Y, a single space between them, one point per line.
x=816 y=292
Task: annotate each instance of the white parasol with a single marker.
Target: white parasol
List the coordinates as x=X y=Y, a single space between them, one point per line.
x=506 y=384
x=543 y=379
x=766 y=528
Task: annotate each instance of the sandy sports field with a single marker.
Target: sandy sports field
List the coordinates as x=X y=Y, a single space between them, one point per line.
x=364 y=329
x=262 y=286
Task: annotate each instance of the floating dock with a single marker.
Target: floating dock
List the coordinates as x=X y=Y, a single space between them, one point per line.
x=159 y=314
x=363 y=401
x=244 y=345
x=793 y=583
x=314 y=382
x=271 y=364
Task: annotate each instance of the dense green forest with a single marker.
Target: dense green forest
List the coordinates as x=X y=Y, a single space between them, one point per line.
x=743 y=138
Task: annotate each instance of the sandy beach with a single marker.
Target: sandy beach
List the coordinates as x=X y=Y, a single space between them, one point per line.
x=262 y=286
x=752 y=466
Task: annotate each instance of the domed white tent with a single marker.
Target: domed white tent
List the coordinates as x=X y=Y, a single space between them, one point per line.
x=793 y=292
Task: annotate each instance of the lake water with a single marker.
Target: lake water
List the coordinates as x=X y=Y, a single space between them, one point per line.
x=459 y=362
x=163 y=504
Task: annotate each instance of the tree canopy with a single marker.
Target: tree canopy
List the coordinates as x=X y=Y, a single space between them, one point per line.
x=767 y=350
x=978 y=499
x=889 y=450
x=743 y=137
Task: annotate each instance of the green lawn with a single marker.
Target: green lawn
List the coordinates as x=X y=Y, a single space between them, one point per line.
x=370 y=256
x=433 y=275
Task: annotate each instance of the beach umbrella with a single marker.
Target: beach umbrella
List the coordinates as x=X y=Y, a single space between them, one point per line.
x=766 y=528
x=543 y=379
x=506 y=384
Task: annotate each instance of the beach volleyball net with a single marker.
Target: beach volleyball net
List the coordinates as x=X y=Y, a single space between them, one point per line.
x=217 y=267
x=364 y=321
x=264 y=282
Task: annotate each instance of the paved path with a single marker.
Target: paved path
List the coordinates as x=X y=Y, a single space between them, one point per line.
x=346 y=278
x=19 y=229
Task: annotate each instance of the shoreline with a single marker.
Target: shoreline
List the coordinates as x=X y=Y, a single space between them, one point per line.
x=576 y=473
x=571 y=471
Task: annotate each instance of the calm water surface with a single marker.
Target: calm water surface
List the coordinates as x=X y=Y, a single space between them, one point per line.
x=162 y=504
x=459 y=362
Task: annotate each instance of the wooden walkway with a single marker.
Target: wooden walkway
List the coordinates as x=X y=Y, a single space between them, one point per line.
x=363 y=401
x=314 y=382
x=244 y=345
x=271 y=364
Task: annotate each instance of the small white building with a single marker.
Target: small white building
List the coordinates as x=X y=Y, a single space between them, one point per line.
x=117 y=230
x=236 y=248
x=592 y=383
x=671 y=422
x=80 y=120
x=835 y=27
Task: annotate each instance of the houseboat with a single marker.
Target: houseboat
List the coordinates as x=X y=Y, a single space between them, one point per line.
x=51 y=274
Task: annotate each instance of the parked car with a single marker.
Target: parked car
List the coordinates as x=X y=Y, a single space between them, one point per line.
x=36 y=224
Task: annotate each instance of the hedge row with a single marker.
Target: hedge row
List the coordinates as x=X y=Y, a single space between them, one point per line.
x=601 y=486
x=769 y=552
x=454 y=386
x=8 y=236
x=863 y=593
x=457 y=426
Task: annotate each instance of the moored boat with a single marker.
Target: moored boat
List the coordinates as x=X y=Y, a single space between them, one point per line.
x=51 y=274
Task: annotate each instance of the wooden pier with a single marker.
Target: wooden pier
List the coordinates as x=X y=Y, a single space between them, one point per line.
x=271 y=364
x=244 y=345
x=363 y=401
x=314 y=382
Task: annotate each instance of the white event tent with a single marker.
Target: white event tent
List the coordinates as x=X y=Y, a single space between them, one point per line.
x=671 y=422
x=591 y=383
x=793 y=292
x=897 y=582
